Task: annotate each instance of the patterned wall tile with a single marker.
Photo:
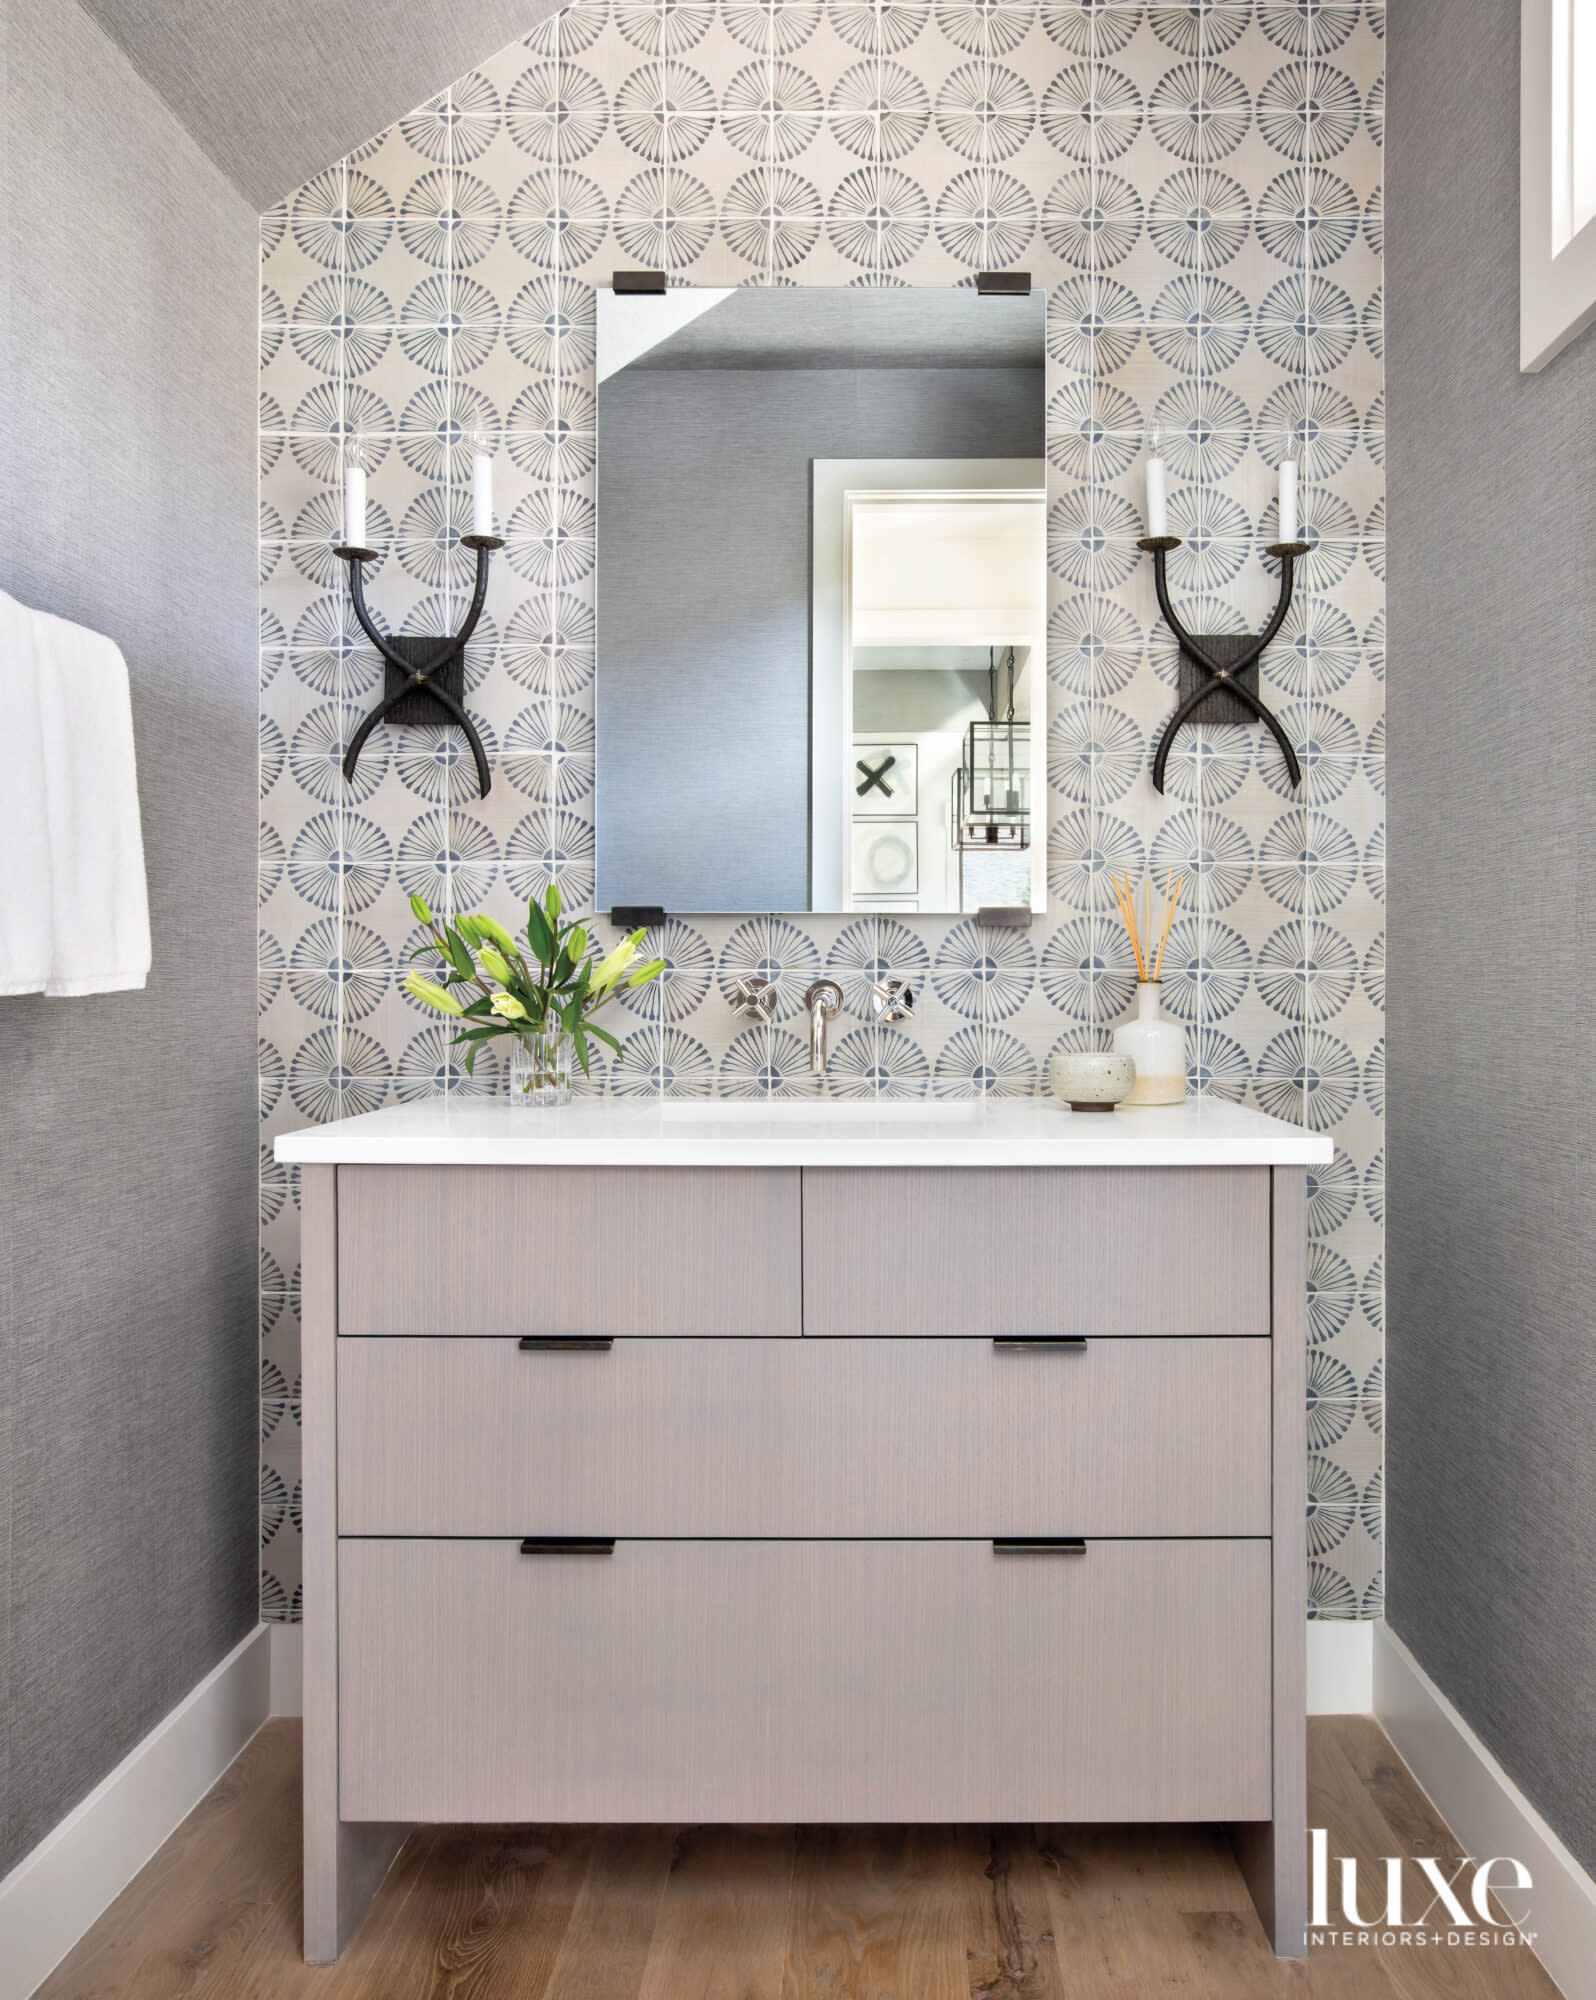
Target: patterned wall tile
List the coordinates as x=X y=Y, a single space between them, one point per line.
x=1199 y=189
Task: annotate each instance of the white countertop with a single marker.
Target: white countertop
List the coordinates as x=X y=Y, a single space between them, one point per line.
x=720 y=1132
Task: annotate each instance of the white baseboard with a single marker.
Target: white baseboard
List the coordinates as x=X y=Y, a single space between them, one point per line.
x=1488 y=1812
x=1340 y=1666
x=287 y=1678
x=53 y=1895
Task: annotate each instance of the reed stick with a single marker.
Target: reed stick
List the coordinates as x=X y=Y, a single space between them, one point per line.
x=1139 y=925
x=1127 y=910
x=1135 y=930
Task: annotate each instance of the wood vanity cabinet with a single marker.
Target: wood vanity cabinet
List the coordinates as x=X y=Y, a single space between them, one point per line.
x=802 y=1493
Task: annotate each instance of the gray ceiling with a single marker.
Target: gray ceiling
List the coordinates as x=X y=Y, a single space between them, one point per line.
x=275 y=90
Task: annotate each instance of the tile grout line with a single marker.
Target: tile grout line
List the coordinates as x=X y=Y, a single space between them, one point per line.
x=445 y=737
x=1097 y=920
x=340 y=682
x=1200 y=790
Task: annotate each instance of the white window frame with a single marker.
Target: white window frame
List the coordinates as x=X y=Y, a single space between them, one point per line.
x=1557 y=166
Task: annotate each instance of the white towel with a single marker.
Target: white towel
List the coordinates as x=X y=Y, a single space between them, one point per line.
x=74 y=910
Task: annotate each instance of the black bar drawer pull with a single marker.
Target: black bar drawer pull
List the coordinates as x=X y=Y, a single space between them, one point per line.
x=1038 y=1545
x=568 y=1545
x=1039 y=1343
x=533 y=1343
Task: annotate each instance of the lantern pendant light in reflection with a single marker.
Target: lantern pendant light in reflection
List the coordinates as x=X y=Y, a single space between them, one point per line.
x=992 y=786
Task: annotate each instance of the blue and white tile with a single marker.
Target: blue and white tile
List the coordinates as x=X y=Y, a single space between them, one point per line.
x=1267 y=862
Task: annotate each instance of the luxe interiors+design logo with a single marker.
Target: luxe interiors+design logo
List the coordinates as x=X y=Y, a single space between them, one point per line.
x=1427 y=1902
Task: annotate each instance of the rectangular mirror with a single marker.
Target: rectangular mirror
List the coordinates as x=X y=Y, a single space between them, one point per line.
x=821 y=600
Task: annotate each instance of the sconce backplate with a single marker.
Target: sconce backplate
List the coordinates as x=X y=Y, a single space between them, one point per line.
x=1221 y=705
x=417 y=705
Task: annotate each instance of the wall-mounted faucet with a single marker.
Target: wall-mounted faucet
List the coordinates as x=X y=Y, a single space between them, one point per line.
x=754 y=997
x=824 y=1002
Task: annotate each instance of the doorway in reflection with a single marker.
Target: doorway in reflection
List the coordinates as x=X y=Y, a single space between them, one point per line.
x=944 y=634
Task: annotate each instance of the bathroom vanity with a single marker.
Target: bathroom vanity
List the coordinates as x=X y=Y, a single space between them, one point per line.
x=811 y=1462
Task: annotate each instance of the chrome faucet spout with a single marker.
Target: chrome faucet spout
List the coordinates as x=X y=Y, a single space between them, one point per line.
x=824 y=1002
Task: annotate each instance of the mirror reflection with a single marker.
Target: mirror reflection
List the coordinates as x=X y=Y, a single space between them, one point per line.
x=821 y=601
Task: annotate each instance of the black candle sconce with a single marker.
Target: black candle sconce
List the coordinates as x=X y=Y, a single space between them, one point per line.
x=1224 y=667
x=421 y=675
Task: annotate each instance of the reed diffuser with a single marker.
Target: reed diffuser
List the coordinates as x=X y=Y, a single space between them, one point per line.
x=1155 y=1043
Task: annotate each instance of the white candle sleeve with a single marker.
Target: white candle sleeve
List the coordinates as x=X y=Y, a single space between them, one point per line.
x=1157 y=498
x=355 y=506
x=1288 y=500
x=482 y=494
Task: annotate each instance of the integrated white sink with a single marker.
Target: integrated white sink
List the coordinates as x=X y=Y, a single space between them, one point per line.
x=789 y=1131
x=820 y=1110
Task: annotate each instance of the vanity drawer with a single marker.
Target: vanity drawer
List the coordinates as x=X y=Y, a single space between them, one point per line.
x=781 y=1681
x=1036 y=1250
x=568 y=1250
x=823 y=1437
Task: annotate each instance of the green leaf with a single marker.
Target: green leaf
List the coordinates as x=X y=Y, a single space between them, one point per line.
x=481 y=1005
x=581 y=1050
x=604 y=1035
x=539 y=936
x=460 y=955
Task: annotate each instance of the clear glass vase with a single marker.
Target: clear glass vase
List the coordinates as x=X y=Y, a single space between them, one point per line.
x=540 y=1068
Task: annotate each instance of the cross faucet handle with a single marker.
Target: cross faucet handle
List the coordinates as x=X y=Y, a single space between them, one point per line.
x=891 y=1000
x=754 y=997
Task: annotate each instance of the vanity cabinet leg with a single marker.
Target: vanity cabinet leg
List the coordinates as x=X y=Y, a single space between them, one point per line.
x=1274 y=1853
x=344 y=1864
x=344 y=1868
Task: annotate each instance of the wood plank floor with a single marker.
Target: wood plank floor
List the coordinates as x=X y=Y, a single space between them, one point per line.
x=769 y=1913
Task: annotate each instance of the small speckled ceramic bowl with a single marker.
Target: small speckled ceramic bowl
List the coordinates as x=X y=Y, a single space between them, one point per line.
x=1091 y=1082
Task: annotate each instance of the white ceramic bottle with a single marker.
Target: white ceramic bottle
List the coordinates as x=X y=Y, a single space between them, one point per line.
x=1157 y=1046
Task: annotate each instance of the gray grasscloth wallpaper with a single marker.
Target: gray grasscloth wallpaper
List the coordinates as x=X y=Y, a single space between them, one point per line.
x=1493 y=1218
x=1199 y=189
x=127 y=1182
